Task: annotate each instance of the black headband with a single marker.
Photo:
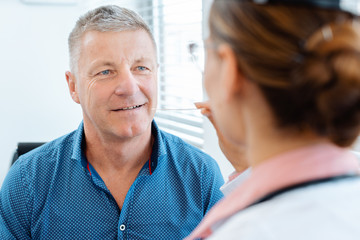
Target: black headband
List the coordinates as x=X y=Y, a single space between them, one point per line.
x=350 y=6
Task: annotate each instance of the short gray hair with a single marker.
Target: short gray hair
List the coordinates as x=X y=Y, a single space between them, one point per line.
x=109 y=18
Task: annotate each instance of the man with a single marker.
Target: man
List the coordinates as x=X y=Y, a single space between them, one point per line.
x=118 y=176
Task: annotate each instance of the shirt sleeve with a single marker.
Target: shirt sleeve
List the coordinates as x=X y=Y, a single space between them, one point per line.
x=212 y=180
x=14 y=215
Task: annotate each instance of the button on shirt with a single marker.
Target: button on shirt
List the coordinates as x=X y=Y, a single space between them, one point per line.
x=53 y=193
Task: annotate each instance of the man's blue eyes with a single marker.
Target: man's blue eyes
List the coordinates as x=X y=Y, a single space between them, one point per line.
x=105 y=72
x=139 y=68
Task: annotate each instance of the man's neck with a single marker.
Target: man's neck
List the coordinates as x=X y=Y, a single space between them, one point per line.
x=115 y=154
x=118 y=161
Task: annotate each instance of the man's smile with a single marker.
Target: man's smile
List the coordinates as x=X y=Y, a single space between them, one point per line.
x=129 y=108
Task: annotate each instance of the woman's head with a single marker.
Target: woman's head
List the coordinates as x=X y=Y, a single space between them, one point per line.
x=304 y=60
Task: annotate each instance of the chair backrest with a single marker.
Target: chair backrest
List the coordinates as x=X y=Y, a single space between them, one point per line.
x=24 y=147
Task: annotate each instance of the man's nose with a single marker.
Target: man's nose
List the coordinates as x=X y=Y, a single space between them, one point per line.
x=127 y=84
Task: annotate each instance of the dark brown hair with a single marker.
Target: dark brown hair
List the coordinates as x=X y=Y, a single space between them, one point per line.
x=305 y=60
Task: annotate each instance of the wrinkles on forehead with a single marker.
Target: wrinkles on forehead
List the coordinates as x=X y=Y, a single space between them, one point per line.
x=105 y=48
x=79 y=49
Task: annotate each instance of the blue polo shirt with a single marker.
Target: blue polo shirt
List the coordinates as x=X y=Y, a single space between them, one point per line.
x=52 y=193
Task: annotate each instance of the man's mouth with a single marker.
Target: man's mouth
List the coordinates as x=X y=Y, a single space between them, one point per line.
x=129 y=108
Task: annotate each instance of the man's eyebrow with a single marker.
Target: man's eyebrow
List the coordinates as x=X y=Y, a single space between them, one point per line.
x=94 y=66
x=102 y=63
x=144 y=59
x=97 y=64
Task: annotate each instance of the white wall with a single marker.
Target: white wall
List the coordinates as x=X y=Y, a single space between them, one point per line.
x=34 y=101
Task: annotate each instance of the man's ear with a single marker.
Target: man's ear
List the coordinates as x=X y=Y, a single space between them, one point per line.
x=71 y=81
x=231 y=77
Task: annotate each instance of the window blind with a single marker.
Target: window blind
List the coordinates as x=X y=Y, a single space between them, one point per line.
x=175 y=24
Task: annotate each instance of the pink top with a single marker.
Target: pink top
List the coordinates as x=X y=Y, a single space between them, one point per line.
x=297 y=166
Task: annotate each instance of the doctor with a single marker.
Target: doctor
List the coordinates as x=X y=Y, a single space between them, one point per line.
x=283 y=81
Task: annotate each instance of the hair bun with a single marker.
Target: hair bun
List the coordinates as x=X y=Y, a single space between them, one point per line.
x=332 y=67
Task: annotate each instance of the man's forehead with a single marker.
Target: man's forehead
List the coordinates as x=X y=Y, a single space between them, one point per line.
x=124 y=40
x=99 y=48
x=118 y=35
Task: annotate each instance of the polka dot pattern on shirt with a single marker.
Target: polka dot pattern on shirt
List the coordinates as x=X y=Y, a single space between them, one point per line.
x=50 y=194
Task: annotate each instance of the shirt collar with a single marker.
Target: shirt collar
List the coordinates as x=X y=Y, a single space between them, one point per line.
x=158 y=151
x=159 y=147
x=235 y=179
x=79 y=142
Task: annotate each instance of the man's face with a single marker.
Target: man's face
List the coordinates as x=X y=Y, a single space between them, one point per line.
x=116 y=82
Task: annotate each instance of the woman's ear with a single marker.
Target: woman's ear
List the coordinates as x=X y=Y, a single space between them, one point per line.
x=70 y=78
x=231 y=77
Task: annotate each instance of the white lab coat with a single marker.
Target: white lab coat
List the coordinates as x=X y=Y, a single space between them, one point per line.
x=326 y=211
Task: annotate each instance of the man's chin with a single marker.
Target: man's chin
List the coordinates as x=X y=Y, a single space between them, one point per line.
x=131 y=131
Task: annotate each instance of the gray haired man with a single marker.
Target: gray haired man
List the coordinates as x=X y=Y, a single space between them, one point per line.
x=118 y=176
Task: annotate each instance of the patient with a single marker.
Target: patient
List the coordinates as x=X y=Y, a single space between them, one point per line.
x=118 y=176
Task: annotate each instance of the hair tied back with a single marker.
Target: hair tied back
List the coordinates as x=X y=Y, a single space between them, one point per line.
x=327 y=33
